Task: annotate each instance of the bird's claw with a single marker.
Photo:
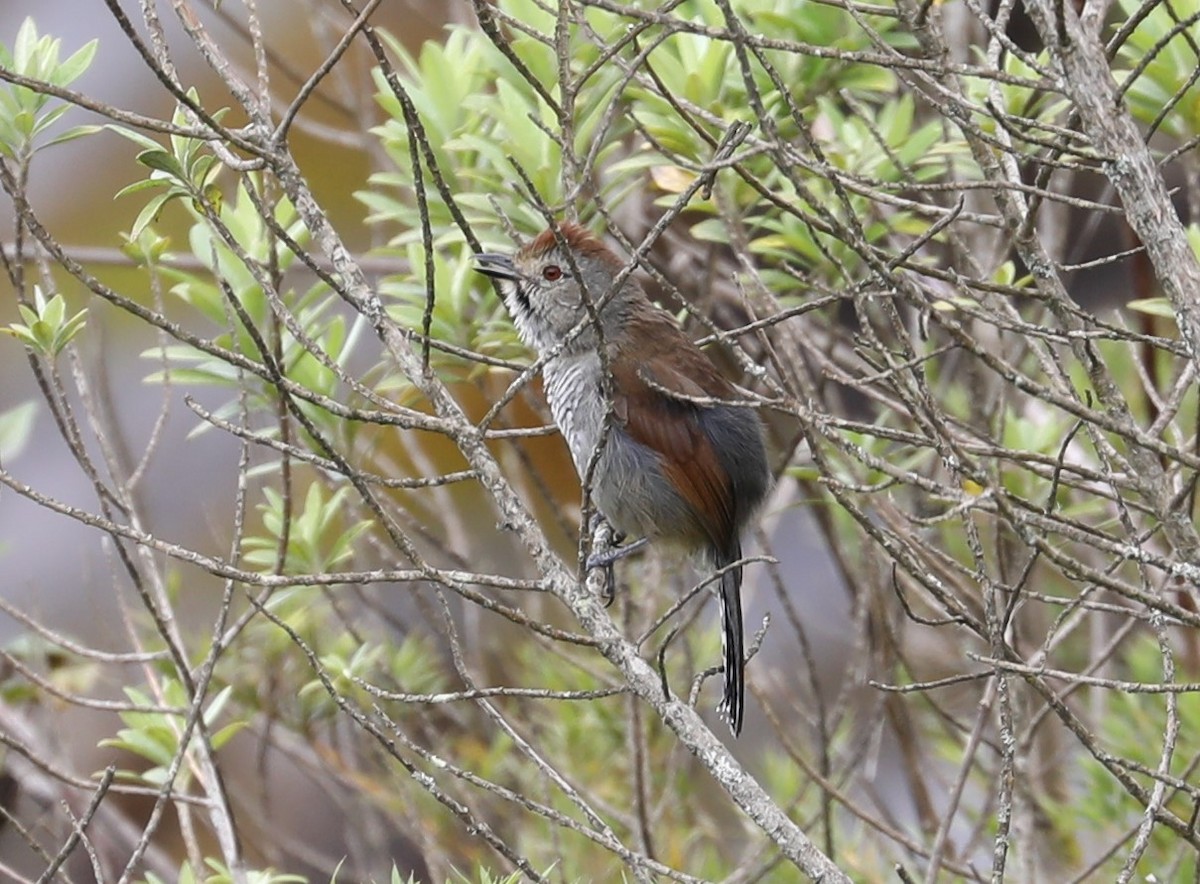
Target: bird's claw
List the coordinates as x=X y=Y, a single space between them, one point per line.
x=614 y=554
x=609 y=593
x=605 y=561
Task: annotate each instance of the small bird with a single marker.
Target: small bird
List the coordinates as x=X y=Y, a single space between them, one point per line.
x=678 y=463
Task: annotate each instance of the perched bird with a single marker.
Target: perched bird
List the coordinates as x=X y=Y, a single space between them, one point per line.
x=677 y=462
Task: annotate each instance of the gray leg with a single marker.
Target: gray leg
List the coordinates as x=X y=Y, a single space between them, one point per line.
x=609 y=556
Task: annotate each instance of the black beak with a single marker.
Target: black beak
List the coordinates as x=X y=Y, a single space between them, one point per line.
x=496 y=266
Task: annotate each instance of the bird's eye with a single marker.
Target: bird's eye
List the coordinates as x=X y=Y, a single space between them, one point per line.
x=551 y=272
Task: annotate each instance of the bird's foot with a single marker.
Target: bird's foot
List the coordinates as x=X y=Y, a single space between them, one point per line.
x=605 y=560
x=613 y=554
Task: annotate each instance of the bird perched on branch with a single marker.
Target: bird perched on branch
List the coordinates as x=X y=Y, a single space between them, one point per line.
x=682 y=457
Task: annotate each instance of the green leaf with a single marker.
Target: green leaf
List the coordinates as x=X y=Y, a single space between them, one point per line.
x=215 y=196
x=54 y=310
x=225 y=734
x=72 y=134
x=73 y=67
x=16 y=428
x=133 y=135
x=143 y=184
x=150 y=212
x=216 y=705
x=25 y=46
x=46 y=329
x=1153 y=306
x=160 y=160
x=49 y=118
x=141 y=742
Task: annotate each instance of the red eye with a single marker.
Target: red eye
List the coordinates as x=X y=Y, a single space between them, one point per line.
x=551 y=272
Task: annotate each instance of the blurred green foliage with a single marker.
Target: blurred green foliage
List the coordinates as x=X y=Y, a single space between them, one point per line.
x=26 y=115
x=1157 y=65
x=487 y=129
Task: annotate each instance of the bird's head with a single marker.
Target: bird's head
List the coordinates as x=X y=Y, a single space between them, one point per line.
x=542 y=291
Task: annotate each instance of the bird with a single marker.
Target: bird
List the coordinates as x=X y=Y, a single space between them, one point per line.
x=683 y=459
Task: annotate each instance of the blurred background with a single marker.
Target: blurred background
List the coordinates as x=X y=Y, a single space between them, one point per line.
x=310 y=786
x=64 y=573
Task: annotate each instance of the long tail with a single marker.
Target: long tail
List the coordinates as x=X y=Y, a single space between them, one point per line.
x=733 y=651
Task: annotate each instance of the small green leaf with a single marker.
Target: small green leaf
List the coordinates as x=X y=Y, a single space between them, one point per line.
x=212 y=193
x=16 y=427
x=53 y=311
x=148 y=248
x=1153 y=306
x=72 y=134
x=150 y=211
x=25 y=46
x=143 y=184
x=159 y=160
x=225 y=734
x=145 y=142
x=47 y=330
x=80 y=61
x=141 y=742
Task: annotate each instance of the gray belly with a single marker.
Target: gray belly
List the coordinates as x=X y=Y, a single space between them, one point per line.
x=628 y=485
x=573 y=389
